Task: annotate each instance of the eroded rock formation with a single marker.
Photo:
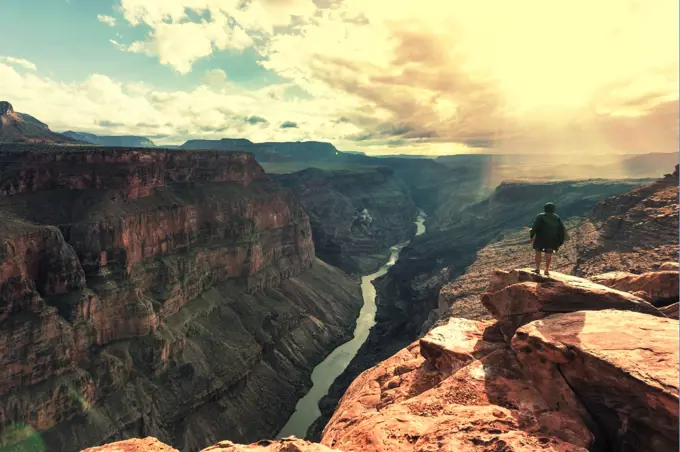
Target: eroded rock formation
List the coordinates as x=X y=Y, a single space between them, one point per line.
x=164 y=293
x=581 y=380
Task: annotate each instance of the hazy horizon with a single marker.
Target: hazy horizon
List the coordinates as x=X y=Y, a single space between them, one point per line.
x=430 y=78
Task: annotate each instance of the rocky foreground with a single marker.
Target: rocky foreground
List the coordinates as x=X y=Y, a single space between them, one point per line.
x=566 y=365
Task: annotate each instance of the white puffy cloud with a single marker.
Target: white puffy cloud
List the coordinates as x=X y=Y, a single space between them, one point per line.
x=108 y=20
x=18 y=62
x=103 y=105
x=216 y=78
x=179 y=38
x=528 y=75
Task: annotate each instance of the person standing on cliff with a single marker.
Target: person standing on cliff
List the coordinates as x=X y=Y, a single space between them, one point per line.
x=546 y=236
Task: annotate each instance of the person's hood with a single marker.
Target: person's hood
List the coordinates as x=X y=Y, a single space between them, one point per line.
x=550 y=207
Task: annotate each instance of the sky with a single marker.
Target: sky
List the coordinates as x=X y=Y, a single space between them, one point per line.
x=378 y=76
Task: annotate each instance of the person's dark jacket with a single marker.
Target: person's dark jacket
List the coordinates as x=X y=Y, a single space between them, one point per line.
x=548 y=231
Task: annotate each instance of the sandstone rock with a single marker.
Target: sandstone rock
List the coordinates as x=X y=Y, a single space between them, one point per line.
x=469 y=395
x=520 y=296
x=670 y=311
x=669 y=266
x=290 y=444
x=457 y=343
x=134 y=445
x=622 y=366
x=659 y=287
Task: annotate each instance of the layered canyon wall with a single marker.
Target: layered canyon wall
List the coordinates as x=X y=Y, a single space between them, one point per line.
x=154 y=292
x=356 y=216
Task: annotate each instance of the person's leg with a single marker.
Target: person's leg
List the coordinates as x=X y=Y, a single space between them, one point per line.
x=548 y=260
x=538 y=261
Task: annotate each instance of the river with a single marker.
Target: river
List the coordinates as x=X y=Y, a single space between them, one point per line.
x=324 y=374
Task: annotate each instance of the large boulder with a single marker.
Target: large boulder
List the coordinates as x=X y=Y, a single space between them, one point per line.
x=521 y=296
x=659 y=287
x=621 y=365
x=459 y=388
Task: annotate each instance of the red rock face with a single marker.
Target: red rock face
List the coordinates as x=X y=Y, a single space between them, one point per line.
x=134 y=445
x=624 y=376
x=105 y=245
x=134 y=173
x=591 y=379
x=659 y=287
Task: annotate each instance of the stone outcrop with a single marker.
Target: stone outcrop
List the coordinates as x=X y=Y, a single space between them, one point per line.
x=659 y=287
x=570 y=381
x=622 y=367
x=519 y=296
x=159 y=293
x=643 y=247
x=670 y=311
x=461 y=297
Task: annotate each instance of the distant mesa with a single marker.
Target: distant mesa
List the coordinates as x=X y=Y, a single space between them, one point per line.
x=18 y=127
x=271 y=151
x=127 y=141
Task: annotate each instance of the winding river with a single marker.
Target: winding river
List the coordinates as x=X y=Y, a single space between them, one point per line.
x=324 y=374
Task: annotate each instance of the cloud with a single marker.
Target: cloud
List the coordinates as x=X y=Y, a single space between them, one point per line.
x=256 y=120
x=107 y=123
x=430 y=76
x=18 y=62
x=515 y=74
x=102 y=105
x=180 y=44
x=216 y=78
x=184 y=31
x=108 y=20
x=288 y=125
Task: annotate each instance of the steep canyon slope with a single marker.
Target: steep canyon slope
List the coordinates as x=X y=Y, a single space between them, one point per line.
x=153 y=292
x=355 y=215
